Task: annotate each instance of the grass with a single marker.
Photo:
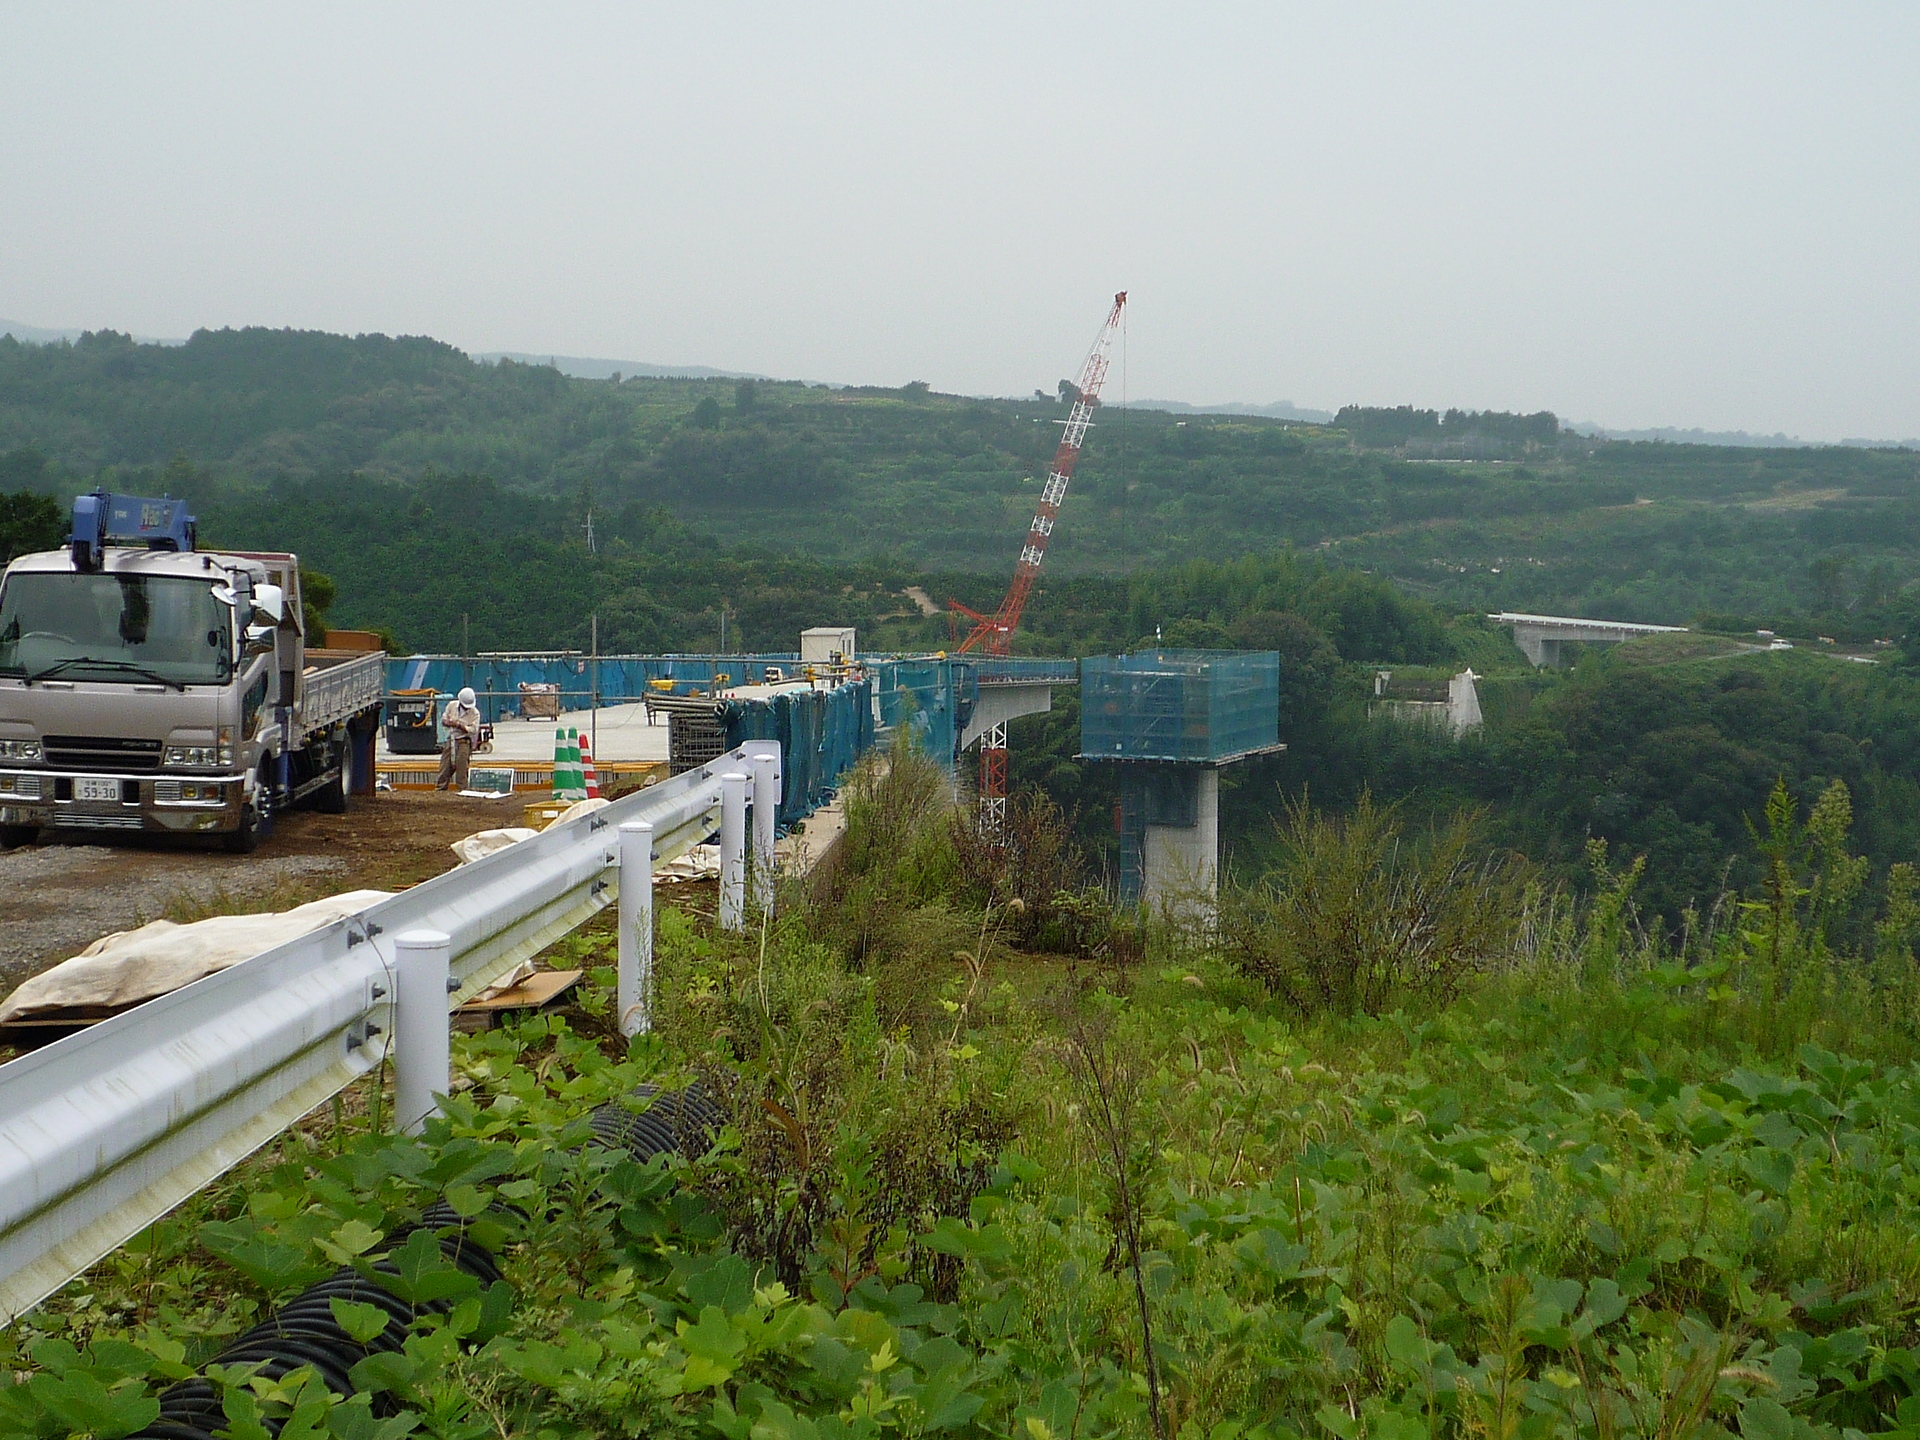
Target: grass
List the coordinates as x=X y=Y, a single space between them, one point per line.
x=1613 y=1188
x=187 y=906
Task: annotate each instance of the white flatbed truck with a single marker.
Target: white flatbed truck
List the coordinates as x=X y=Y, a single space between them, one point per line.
x=149 y=686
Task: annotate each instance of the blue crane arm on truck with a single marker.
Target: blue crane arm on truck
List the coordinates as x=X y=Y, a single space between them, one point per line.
x=147 y=685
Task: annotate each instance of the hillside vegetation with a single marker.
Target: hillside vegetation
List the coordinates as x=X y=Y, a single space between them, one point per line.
x=995 y=1162
x=1560 y=1082
x=448 y=501
x=1478 y=511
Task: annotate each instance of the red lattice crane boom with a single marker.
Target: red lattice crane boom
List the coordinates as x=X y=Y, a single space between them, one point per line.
x=994 y=633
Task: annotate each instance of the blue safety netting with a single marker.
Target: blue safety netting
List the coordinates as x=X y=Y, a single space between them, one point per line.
x=822 y=735
x=1202 y=706
x=931 y=697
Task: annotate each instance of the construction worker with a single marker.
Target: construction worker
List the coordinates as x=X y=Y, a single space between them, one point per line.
x=461 y=721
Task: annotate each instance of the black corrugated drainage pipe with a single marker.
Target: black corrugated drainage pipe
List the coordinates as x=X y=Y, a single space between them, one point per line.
x=304 y=1332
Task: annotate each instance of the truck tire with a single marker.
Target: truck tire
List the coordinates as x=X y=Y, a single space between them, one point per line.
x=331 y=798
x=12 y=837
x=246 y=839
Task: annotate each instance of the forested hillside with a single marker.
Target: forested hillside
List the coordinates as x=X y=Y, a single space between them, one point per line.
x=450 y=499
x=1478 y=511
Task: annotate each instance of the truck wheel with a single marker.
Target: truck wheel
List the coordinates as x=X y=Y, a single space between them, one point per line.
x=246 y=839
x=12 y=837
x=331 y=798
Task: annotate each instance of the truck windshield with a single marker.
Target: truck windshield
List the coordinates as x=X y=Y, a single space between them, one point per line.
x=122 y=628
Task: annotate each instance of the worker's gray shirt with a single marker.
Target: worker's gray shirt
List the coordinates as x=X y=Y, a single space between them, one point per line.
x=462 y=722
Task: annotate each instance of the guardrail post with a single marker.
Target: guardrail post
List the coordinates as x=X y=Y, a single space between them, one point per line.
x=422 y=1050
x=766 y=811
x=733 y=850
x=633 y=989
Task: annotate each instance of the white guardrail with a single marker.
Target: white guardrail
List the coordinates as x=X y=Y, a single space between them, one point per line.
x=105 y=1131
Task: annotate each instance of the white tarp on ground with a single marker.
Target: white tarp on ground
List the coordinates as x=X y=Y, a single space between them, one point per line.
x=130 y=966
x=702 y=862
x=483 y=843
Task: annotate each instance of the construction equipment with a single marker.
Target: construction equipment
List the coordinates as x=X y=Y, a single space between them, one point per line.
x=147 y=686
x=993 y=634
x=412 y=726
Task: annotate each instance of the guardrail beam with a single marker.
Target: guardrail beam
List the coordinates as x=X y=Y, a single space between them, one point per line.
x=103 y=1132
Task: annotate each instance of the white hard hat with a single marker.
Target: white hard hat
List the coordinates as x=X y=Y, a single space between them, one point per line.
x=466 y=695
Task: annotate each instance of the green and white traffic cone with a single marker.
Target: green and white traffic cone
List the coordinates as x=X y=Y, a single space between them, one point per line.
x=576 y=776
x=559 y=764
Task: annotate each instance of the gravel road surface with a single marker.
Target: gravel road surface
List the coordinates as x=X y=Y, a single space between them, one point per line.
x=58 y=898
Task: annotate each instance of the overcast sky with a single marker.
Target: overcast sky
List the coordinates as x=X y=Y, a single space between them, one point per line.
x=1662 y=214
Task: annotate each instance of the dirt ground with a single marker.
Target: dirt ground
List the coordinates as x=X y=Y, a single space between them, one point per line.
x=57 y=898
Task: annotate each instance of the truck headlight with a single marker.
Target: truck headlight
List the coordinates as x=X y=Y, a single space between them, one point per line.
x=203 y=756
x=19 y=749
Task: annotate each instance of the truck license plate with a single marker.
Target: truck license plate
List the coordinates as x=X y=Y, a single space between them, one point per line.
x=86 y=788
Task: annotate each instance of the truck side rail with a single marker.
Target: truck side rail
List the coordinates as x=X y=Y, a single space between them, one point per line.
x=339 y=692
x=103 y=1132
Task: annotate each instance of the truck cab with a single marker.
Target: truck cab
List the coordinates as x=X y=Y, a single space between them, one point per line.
x=147 y=686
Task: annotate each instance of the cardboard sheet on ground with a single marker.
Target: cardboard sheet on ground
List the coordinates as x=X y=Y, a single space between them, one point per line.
x=131 y=966
x=702 y=862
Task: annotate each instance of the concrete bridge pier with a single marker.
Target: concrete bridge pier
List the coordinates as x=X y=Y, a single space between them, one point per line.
x=1543 y=650
x=1544 y=639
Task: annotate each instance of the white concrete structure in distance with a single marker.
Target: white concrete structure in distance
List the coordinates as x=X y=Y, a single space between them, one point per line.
x=1004 y=700
x=1541 y=637
x=827 y=645
x=1459 y=712
x=1181 y=863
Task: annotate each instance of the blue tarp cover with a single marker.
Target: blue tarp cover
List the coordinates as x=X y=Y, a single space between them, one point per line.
x=822 y=734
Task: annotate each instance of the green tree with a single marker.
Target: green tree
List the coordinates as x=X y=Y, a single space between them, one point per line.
x=1309 y=665
x=29 y=522
x=1828 y=576
x=23 y=469
x=317 y=593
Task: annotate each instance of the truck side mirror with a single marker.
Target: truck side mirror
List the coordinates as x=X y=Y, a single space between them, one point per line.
x=259 y=639
x=270 y=600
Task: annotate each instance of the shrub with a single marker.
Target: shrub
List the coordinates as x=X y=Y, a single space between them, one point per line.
x=881 y=899
x=1036 y=873
x=1359 y=919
